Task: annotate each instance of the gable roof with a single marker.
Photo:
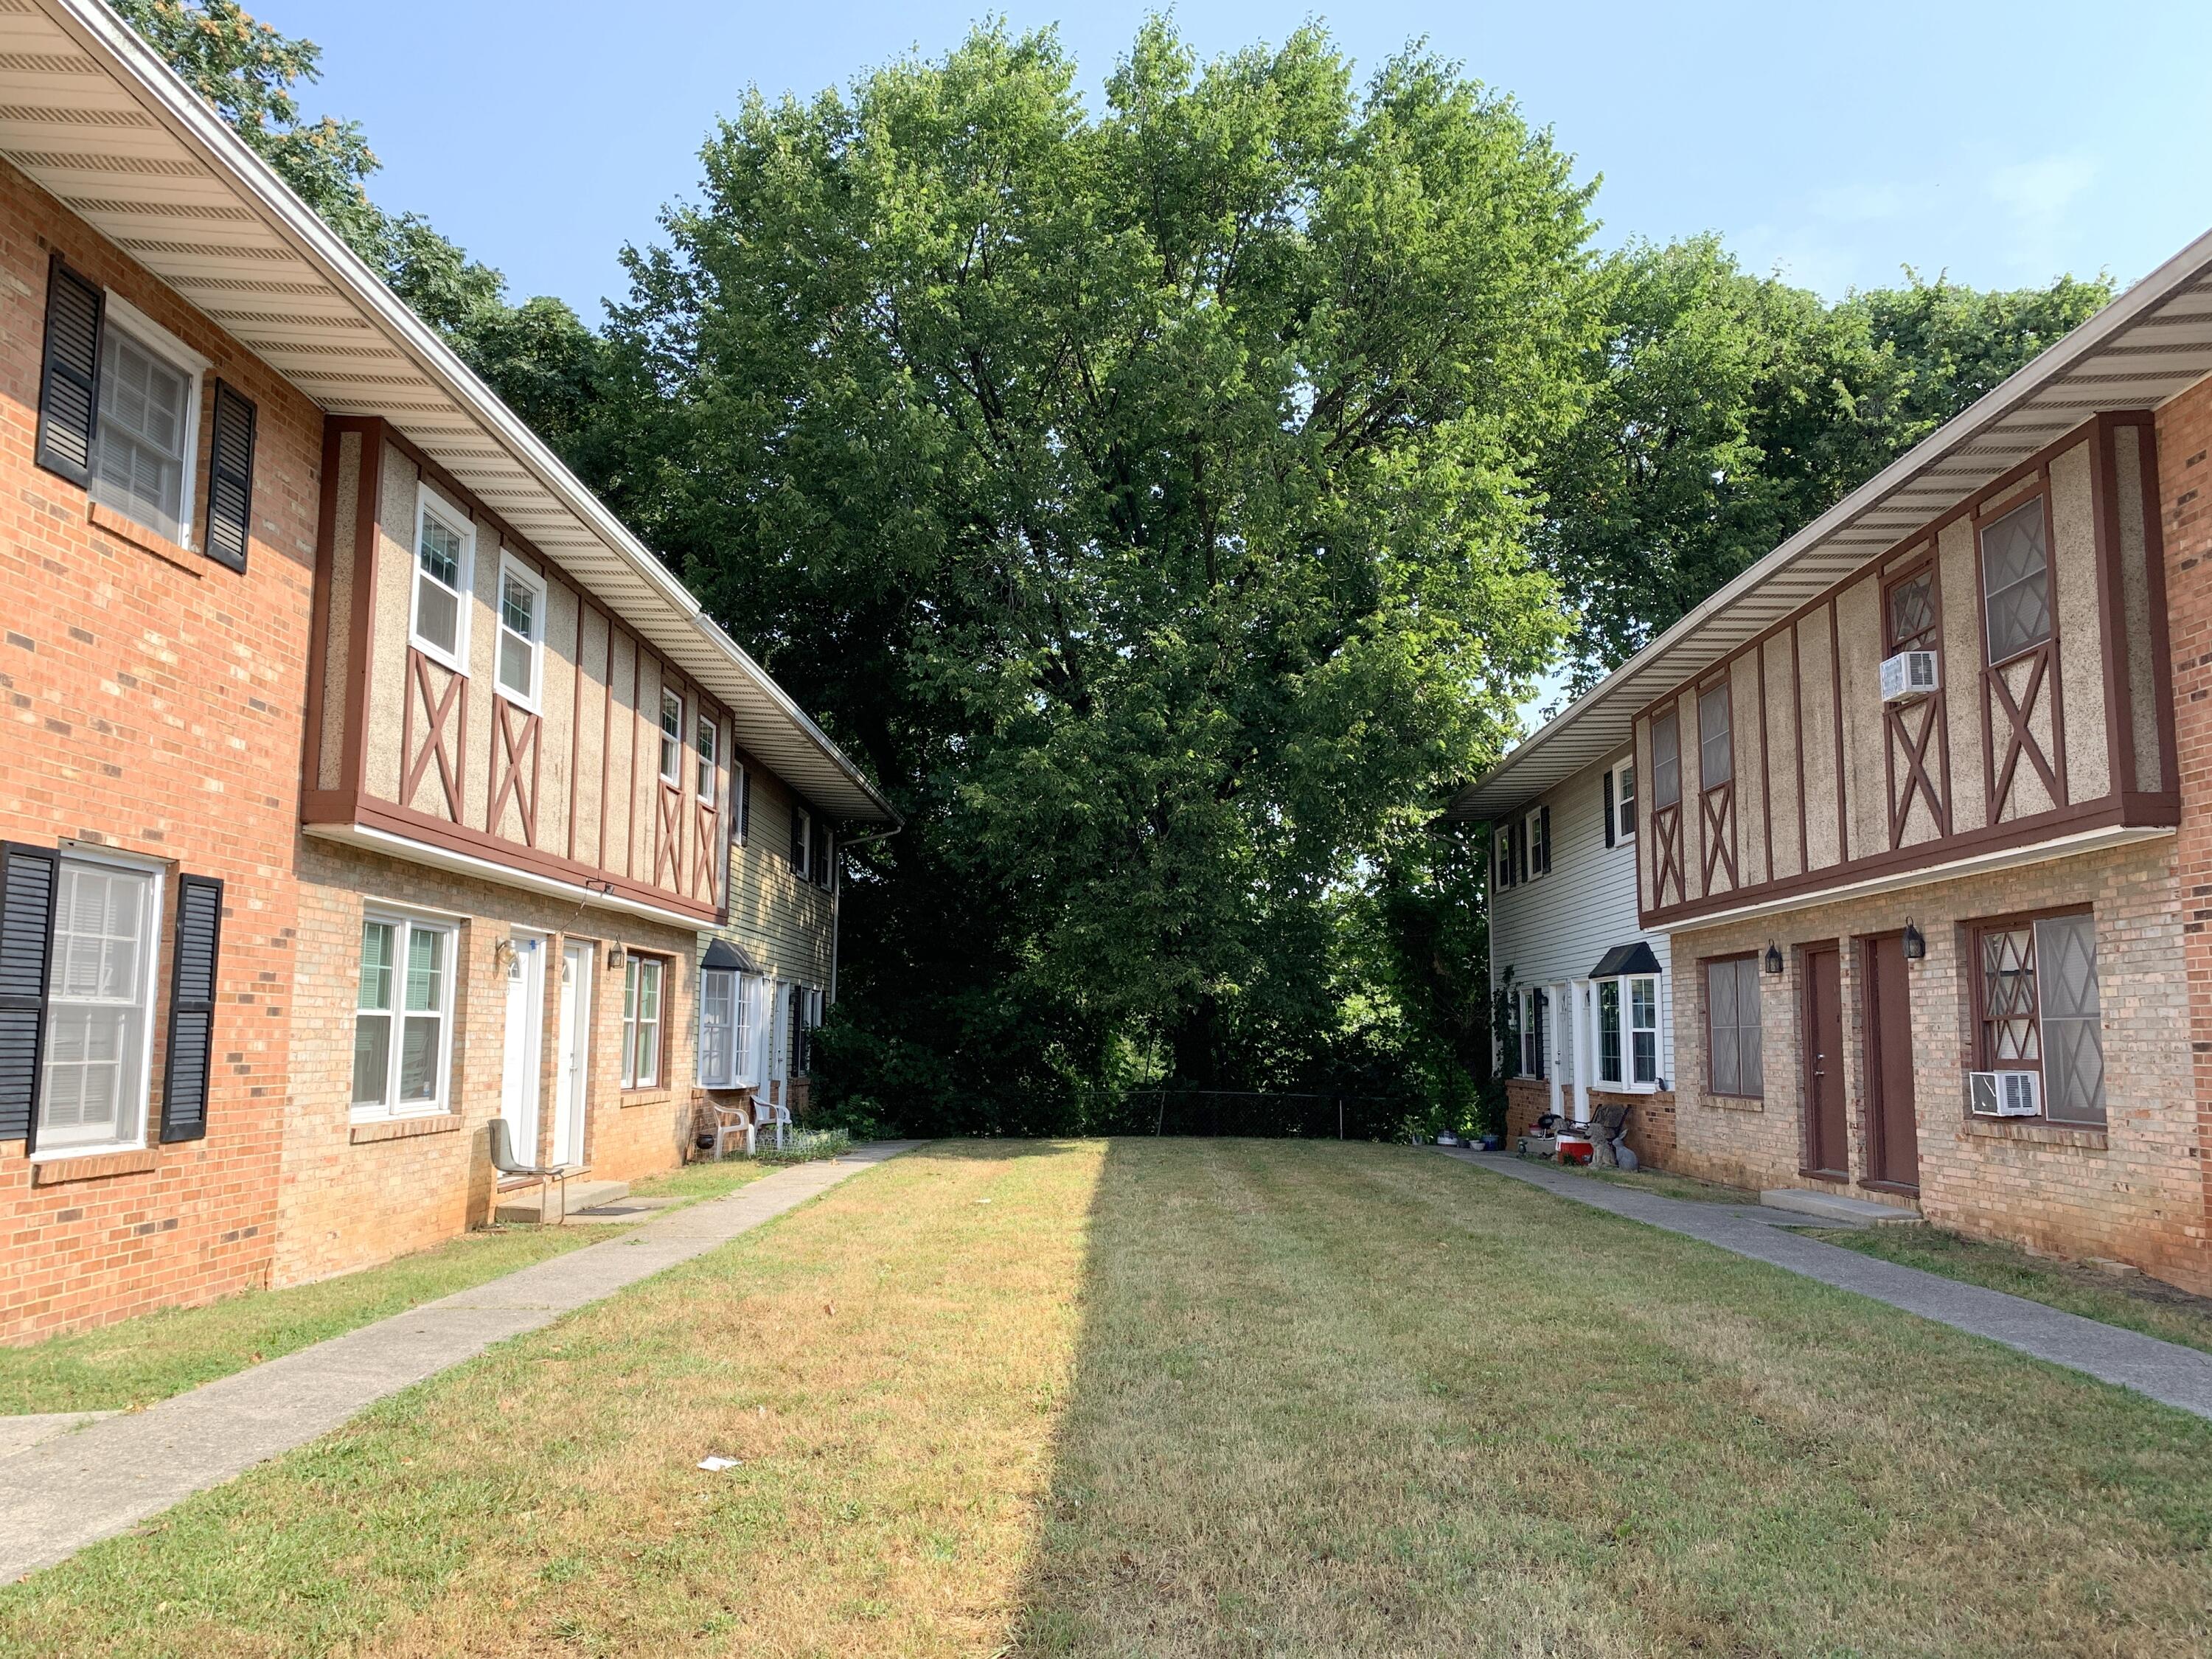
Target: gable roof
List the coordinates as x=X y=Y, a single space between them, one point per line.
x=2151 y=342
x=93 y=116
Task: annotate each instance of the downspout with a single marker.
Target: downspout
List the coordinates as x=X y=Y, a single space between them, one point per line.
x=837 y=895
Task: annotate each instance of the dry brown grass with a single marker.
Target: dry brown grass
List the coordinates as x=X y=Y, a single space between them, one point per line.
x=1186 y=1398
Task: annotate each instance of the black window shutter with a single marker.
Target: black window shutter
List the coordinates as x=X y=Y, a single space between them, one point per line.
x=1544 y=834
x=821 y=866
x=744 y=802
x=1608 y=809
x=30 y=877
x=68 y=382
x=1521 y=849
x=230 y=478
x=192 y=1009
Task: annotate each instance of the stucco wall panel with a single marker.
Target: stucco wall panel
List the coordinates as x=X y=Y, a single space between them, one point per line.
x=2080 y=632
x=1816 y=691
x=1962 y=673
x=1858 y=624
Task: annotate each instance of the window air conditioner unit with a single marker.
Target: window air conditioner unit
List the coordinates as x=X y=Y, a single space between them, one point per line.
x=1907 y=675
x=2005 y=1094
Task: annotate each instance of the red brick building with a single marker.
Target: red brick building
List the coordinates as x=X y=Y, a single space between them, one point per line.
x=1926 y=802
x=362 y=782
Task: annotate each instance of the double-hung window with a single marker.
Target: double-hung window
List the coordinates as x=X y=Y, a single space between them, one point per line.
x=1666 y=760
x=403 y=1023
x=707 y=744
x=100 y=1005
x=802 y=843
x=1620 y=802
x=642 y=984
x=1716 y=738
x=445 y=557
x=1536 y=827
x=2016 y=581
x=521 y=633
x=1736 y=1051
x=2037 y=1009
x=1535 y=1005
x=149 y=408
x=672 y=739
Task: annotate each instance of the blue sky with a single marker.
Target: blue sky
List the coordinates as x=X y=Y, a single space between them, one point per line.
x=2002 y=143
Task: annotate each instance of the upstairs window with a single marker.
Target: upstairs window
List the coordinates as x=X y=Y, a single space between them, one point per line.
x=1716 y=739
x=1911 y=616
x=707 y=744
x=802 y=843
x=672 y=738
x=1665 y=761
x=1620 y=802
x=1536 y=843
x=445 y=551
x=521 y=633
x=149 y=402
x=2016 y=581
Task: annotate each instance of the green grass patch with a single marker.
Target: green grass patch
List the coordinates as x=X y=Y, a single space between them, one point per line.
x=1196 y=1398
x=2132 y=1301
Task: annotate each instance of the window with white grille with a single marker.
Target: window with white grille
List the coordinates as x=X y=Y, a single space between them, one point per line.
x=100 y=1007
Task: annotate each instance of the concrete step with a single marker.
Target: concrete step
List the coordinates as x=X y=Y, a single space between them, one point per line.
x=1835 y=1207
x=584 y=1194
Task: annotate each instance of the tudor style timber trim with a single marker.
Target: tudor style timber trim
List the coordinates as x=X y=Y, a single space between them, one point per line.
x=2086 y=683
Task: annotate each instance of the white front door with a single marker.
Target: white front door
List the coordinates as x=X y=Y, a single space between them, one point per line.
x=778 y=1043
x=569 y=1093
x=525 y=1026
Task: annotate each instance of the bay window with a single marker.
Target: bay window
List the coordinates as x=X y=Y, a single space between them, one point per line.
x=1627 y=1017
x=403 y=1017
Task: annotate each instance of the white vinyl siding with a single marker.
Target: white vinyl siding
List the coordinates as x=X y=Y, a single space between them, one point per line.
x=1555 y=930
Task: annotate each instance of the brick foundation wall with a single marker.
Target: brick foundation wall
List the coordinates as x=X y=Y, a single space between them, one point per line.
x=2184 y=518
x=2131 y=1192
x=354 y=1194
x=1650 y=1117
x=152 y=702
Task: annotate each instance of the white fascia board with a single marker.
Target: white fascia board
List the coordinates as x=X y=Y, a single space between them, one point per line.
x=368 y=839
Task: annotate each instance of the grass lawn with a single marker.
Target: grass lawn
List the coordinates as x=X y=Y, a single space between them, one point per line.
x=135 y=1362
x=2139 y=1302
x=1221 y=1398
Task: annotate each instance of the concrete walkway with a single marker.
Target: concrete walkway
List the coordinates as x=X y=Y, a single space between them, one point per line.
x=66 y=1491
x=2168 y=1372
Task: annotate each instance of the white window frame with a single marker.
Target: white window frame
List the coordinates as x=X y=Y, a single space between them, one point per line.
x=803 y=833
x=152 y=337
x=1625 y=1081
x=430 y=503
x=1621 y=770
x=512 y=569
x=671 y=743
x=441 y=1104
x=753 y=1003
x=1532 y=833
x=724 y=1076
x=708 y=771
x=635 y=964
x=151 y=919
x=739 y=831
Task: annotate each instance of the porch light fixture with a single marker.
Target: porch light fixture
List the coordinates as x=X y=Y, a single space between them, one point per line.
x=1915 y=947
x=502 y=955
x=614 y=956
x=1773 y=958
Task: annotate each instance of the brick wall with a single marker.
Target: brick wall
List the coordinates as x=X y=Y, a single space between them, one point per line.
x=2132 y=1192
x=2185 y=517
x=1650 y=1117
x=152 y=702
x=353 y=1194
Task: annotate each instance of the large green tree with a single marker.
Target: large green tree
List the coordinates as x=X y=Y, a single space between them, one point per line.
x=1730 y=409
x=1141 y=493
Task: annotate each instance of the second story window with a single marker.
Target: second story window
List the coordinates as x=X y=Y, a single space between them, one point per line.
x=1620 y=802
x=802 y=842
x=672 y=738
x=1716 y=739
x=521 y=633
x=1665 y=761
x=707 y=744
x=445 y=547
x=1536 y=831
x=149 y=400
x=2016 y=581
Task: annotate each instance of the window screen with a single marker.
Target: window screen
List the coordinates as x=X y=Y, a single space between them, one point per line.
x=2016 y=582
x=1665 y=761
x=1716 y=743
x=1738 y=1064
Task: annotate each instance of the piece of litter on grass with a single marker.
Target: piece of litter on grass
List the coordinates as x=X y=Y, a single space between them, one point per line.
x=716 y=1465
x=982 y=1200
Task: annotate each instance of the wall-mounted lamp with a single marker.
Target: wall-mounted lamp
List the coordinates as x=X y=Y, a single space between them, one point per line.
x=502 y=955
x=614 y=956
x=1773 y=958
x=1915 y=947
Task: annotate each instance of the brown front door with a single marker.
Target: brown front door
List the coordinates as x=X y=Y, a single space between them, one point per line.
x=1894 y=1154
x=1825 y=1128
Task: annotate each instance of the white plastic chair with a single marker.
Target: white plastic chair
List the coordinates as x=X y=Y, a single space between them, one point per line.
x=732 y=1118
x=771 y=1116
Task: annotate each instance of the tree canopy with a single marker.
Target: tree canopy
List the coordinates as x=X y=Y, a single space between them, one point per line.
x=1169 y=503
